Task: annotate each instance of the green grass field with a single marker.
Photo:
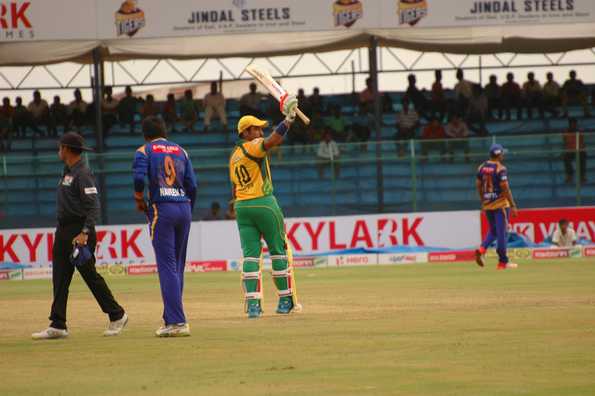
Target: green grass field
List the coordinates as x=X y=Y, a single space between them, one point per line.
x=444 y=329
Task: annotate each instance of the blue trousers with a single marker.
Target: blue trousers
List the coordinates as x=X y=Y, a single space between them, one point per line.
x=498 y=221
x=169 y=224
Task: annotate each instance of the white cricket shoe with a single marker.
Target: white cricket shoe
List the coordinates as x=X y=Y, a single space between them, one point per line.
x=51 y=333
x=174 y=330
x=114 y=328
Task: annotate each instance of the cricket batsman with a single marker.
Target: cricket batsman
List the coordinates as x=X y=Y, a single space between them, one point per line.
x=497 y=203
x=171 y=196
x=258 y=213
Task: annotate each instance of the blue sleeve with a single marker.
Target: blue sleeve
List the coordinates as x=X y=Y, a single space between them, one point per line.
x=502 y=175
x=140 y=169
x=190 y=183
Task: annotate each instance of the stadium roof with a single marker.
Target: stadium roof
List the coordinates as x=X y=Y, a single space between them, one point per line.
x=33 y=32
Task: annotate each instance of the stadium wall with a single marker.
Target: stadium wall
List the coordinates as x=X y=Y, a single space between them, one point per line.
x=385 y=239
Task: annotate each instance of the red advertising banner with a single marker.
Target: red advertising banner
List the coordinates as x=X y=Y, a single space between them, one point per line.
x=451 y=257
x=589 y=251
x=540 y=224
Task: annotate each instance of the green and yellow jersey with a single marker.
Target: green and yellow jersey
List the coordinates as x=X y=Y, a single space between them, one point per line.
x=249 y=170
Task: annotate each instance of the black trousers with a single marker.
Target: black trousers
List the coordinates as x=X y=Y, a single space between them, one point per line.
x=63 y=270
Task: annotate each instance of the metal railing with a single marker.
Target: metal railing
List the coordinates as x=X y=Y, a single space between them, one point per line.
x=366 y=177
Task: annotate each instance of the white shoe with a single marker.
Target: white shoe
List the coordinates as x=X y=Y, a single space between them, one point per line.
x=51 y=333
x=114 y=328
x=175 y=330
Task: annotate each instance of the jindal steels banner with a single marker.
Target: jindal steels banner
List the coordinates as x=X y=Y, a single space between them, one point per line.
x=131 y=19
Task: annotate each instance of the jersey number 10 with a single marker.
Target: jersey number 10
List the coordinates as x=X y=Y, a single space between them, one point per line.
x=242 y=175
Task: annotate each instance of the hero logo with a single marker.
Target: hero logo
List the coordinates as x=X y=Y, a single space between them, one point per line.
x=14 y=21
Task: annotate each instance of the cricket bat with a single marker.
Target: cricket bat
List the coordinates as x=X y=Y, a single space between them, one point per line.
x=263 y=77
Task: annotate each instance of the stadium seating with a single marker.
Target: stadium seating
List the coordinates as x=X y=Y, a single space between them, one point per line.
x=28 y=183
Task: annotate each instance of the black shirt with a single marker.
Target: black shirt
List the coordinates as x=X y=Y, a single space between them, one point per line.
x=77 y=200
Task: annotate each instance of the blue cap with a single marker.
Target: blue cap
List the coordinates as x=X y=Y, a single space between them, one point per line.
x=497 y=149
x=80 y=255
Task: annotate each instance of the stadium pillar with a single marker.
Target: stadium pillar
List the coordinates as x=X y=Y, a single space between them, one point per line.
x=373 y=66
x=97 y=99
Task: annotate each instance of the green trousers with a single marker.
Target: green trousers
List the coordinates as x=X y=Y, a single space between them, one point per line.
x=262 y=218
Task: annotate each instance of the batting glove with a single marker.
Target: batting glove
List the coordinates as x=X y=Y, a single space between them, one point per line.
x=289 y=105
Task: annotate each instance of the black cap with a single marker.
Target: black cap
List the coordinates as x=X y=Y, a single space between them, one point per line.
x=75 y=141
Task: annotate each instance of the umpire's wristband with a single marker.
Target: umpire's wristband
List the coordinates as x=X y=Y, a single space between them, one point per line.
x=282 y=128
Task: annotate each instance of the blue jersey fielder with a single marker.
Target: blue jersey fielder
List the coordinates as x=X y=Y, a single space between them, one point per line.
x=496 y=202
x=166 y=168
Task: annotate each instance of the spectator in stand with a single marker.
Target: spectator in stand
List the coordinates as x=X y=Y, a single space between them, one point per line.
x=189 y=111
x=230 y=213
x=477 y=112
x=407 y=123
x=494 y=95
x=511 y=97
x=250 y=102
x=366 y=97
x=150 y=108
x=463 y=92
x=328 y=155
x=39 y=110
x=6 y=116
x=336 y=123
x=433 y=136
x=127 y=109
x=438 y=103
x=58 y=116
x=214 y=213
x=21 y=118
x=564 y=236
x=109 y=108
x=215 y=104
x=572 y=148
x=363 y=123
x=170 y=113
x=551 y=95
x=574 y=93
x=77 y=110
x=303 y=101
x=533 y=95
x=416 y=96
x=317 y=127
x=457 y=129
x=315 y=102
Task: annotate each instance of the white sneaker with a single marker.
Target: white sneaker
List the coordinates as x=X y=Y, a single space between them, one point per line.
x=174 y=330
x=51 y=333
x=114 y=328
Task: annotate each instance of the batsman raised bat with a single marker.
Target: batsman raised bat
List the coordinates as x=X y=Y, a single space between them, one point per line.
x=263 y=77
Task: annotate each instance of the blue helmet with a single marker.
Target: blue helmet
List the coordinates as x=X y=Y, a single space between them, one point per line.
x=497 y=149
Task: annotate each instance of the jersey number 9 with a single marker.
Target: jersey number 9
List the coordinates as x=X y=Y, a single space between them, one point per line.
x=242 y=175
x=170 y=171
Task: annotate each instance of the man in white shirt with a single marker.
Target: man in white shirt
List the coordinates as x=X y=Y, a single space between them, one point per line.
x=328 y=154
x=39 y=110
x=407 y=123
x=463 y=91
x=564 y=236
x=215 y=104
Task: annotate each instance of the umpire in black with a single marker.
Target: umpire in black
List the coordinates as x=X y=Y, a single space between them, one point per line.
x=78 y=211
